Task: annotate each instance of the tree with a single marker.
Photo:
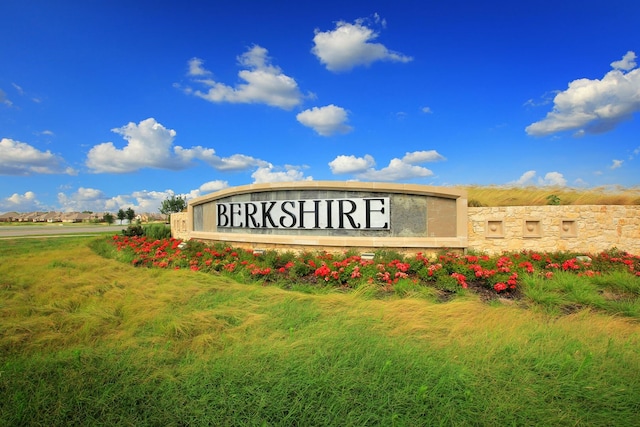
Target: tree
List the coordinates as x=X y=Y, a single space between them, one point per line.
x=130 y=214
x=108 y=218
x=173 y=204
x=121 y=215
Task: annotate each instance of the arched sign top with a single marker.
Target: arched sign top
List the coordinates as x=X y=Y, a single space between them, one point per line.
x=427 y=190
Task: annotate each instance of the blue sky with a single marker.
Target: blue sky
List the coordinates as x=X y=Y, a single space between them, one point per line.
x=115 y=104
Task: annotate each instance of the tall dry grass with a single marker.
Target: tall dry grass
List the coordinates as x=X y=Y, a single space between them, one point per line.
x=535 y=196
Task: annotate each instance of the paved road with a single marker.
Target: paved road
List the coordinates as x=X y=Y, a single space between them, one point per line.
x=8 y=232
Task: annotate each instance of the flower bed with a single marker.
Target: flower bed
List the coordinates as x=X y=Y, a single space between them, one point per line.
x=389 y=271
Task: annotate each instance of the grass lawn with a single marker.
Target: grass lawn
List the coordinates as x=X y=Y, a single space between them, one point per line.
x=86 y=340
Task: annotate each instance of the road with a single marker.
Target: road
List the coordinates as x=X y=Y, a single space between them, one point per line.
x=9 y=232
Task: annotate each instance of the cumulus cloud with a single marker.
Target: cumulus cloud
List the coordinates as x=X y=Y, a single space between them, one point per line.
x=418 y=157
x=150 y=145
x=427 y=110
x=326 y=121
x=526 y=178
x=594 y=106
x=274 y=174
x=628 y=62
x=351 y=164
x=397 y=170
x=616 y=164
x=351 y=45
x=550 y=179
x=20 y=158
x=264 y=83
x=26 y=202
x=83 y=199
x=211 y=186
x=553 y=179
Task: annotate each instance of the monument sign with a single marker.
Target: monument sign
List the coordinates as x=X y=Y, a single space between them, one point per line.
x=332 y=215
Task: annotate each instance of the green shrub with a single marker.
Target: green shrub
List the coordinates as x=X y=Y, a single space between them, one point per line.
x=133 y=231
x=473 y=203
x=552 y=199
x=157 y=231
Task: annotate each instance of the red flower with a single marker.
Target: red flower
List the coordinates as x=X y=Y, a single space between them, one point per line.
x=499 y=287
x=323 y=271
x=462 y=280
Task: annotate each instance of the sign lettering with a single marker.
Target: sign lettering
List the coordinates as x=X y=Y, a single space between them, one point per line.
x=370 y=213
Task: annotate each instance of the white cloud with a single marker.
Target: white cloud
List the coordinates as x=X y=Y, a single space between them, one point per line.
x=272 y=174
x=91 y=199
x=196 y=68
x=4 y=100
x=26 y=202
x=397 y=170
x=206 y=188
x=18 y=88
x=19 y=158
x=526 y=178
x=553 y=179
x=550 y=179
x=351 y=164
x=616 y=164
x=149 y=201
x=326 y=121
x=418 y=157
x=235 y=162
x=211 y=186
x=150 y=145
x=594 y=106
x=351 y=45
x=626 y=63
x=427 y=110
x=264 y=83
x=83 y=199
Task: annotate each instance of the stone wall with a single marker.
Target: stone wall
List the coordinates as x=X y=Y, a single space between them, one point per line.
x=179 y=223
x=581 y=228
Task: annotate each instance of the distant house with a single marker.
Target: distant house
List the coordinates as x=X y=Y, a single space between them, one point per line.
x=150 y=217
x=48 y=217
x=30 y=216
x=9 y=217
